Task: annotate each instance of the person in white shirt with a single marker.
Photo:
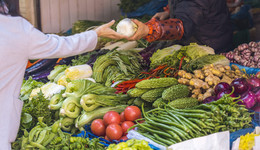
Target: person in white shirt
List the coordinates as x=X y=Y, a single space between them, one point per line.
x=19 y=42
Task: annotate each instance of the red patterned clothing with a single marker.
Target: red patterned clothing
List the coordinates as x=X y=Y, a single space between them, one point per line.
x=164 y=29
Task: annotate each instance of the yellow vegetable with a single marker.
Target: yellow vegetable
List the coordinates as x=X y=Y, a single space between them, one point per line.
x=247 y=141
x=62 y=80
x=78 y=72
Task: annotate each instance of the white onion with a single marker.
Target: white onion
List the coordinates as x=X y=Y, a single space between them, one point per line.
x=126 y=27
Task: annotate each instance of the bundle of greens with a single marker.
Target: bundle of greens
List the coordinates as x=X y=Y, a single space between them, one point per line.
x=176 y=125
x=116 y=66
x=206 y=60
x=34 y=108
x=51 y=137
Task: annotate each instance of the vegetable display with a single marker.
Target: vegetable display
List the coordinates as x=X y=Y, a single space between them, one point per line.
x=171 y=93
x=51 y=137
x=247 y=54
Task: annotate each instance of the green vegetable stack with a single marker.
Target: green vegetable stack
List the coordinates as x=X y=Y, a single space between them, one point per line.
x=51 y=137
x=116 y=66
x=169 y=125
x=160 y=91
x=189 y=58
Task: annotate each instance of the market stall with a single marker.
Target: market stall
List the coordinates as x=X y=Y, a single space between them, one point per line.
x=135 y=95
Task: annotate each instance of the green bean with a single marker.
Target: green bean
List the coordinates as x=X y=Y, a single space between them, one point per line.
x=189 y=122
x=154 y=131
x=152 y=138
x=199 y=122
x=169 y=123
x=162 y=140
x=193 y=115
x=167 y=128
x=188 y=110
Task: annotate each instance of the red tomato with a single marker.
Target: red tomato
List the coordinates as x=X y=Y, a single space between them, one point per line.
x=114 y=131
x=126 y=125
x=111 y=117
x=98 y=127
x=132 y=113
x=124 y=138
x=122 y=116
x=106 y=138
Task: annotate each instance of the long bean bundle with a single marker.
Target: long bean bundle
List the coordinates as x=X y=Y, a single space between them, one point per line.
x=168 y=125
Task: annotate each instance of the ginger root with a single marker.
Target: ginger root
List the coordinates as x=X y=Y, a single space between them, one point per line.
x=198 y=74
x=197 y=83
x=212 y=80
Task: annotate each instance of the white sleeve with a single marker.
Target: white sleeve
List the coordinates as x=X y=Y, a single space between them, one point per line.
x=42 y=45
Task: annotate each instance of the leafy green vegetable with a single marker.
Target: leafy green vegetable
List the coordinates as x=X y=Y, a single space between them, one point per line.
x=83 y=58
x=67 y=123
x=56 y=102
x=70 y=107
x=78 y=88
x=34 y=108
x=56 y=71
x=194 y=51
x=27 y=87
x=89 y=102
x=165 y=56
x=83 y=25
x=206 y=60
x=116 y=66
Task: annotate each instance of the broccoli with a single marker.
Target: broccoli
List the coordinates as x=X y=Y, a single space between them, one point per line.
x=175 y=92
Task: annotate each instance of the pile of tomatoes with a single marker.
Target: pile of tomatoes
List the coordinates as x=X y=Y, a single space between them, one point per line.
x=114 y=126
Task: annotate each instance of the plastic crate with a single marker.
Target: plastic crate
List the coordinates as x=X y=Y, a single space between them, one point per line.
x=256 y=119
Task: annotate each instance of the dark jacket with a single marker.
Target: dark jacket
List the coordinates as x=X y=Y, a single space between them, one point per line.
x=206 y=20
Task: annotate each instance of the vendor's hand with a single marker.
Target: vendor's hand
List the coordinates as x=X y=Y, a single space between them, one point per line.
x=106 y=31
x=162 y=15
x=141 y=32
